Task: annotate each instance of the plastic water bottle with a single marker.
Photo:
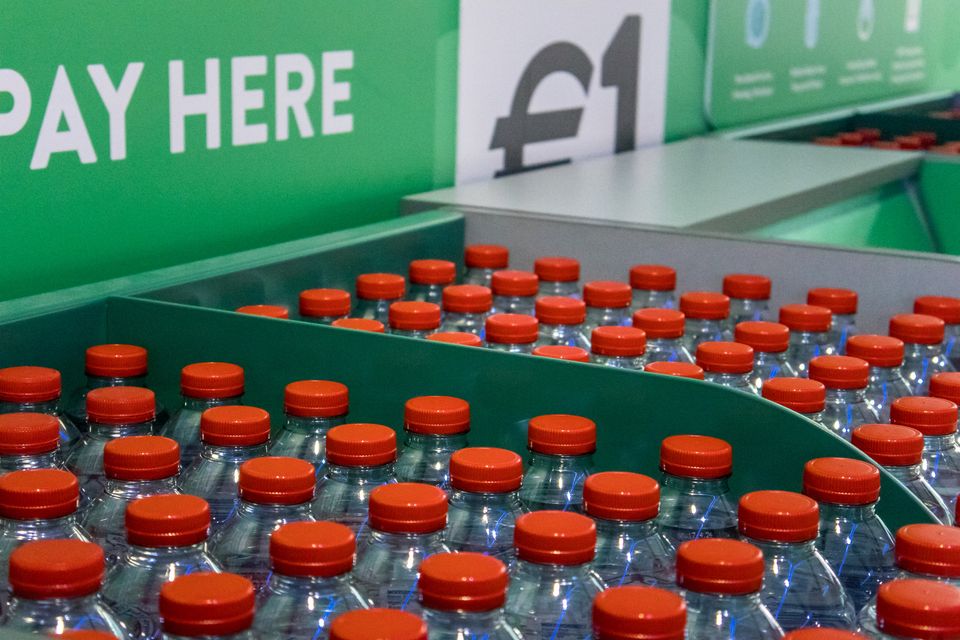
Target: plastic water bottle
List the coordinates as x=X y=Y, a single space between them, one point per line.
x=310 y=584
x=810 y=335
x=462 y=595
x=273 y=491
x=803 y=395
x=728 y=364
x=274 y=311
x=166 y=536
x=559 y=276
x=456 y=337
x=482 y=261
x=375 y=293
x=769 y=341
x=134 y=467
x=916 y=609
x=842 y=304
x=514 y=291
x=664 y=330
x=552 y=584
x=562 y=352
x=324 y=306
x=414 y=319
x=435 y=427
x=37 y=390
x=900 y=451
x=466 y=307
x=619 y=347
x=29 y=441
x=630 y=547
x=113 y=412
x=845 y=379
x=799 y=587
x=721 y=580
x=360 y=458
x=885 y=356
x=511 y=332
x=695 y=500
x=484 y=501
x=369 y=624
x=853 y=539
x=923 y=355
x=706 y=314
x=936 y=419
x=608 y=304
x=231 y=435
x=360 y=324
x=428 y=278
x=678 y=369
x=948 y=310
x=208 y=605
x=561 y=457
x=203 y=385
x=653 y=286
x=561 y=321
x=639 y=612
x=312 y=408
x=406 y=526
x=822 y=633
x=749 y=295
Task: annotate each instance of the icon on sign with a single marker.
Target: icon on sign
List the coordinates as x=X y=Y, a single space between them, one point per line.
x=758 y=22
x=911 y=19
x=811 y=26
x=866 y=19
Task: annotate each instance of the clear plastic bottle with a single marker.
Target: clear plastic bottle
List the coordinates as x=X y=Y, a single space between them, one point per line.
x=885 y=356
x=29 y=441
x=923 y=355
x=512 y=332
x=414 y=319
x=378 y=624
x=948 y=310
x=721 y=580
x=810 y=335
x=552 y=584
x=899 y=450
x=846 y=406
x=360 y=324
x=484 y=501
x=639 y=613
x=113 y=412
x=916 y=609
x=678 y=369
x=559 y=276
x=456 y=337
x=561 y=457
x=375 y=293
x=728 y=364
x=514 y=292
x=619 y=347
x=55 y=585
x=664 y=329
x=608 y=304
x=324 y=306
x=653 y=286
x=134 y=467
x=853 y=539
x=749 y=295
x=706 y=314
x=209 y=606
x=465 y=308
x=312 y=408
x=203 y=385
x=842 y=304
x=822 y=633
x=561 y=321
x=274 y=311
x=428 y=278
x=630 y=547
x=37 y=390
x=435 y=427
x=936 y=419
x=231 y=435
x=562 y=352
x=406 y=526
x=273 y=492
x=695 y=499
x=799 y=587
x=482 y=261
x=166 y=536
x=769 y=341
x=803 y=395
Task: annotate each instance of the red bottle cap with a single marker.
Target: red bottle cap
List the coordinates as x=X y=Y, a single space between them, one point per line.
x=212 y=380
x=653 y=277
x=888 y=444
x=265 y=310
x=467 y=298
x=121 y=405
x=800 y=394
x=778 y=516
x=116 y=361
x=842 y=481
x=432 y=271
x=512 y=328
x=486 y=256
x=557 y=269
x=141 y=458
x=361 y=445
x=628 y=342
x=692 y=456
x=555 y=537
x=324 y=303
x=946 y=385
x=763 y=337
x=63 y=568
x=436 y=415
x=167 y=521
x=879 y=351
x=705 y=305
x=29 y=384
x=514 y=283
x=485 y=470
x=922 y=609
x=746 y=286
x=817 y=633
x=408 y=507
x=838 y=301
x=315 y=549
x=378 y=624
x=638 y=613
x=607 y=294
x=932 y=549
x=562 y=352
x=929 y=416
x=678 y=369
x=207 y=604
x=840 y=372
x=457 y=337
x=560 y=310
x=24 y=434
x=380 y=286
x=360 y=324
x=716 y=565
x=917 y=329
x=316 y=399
x=620 y=495
x=234 y=426
x=870 y=134
x=38 y=494
x=277 y=480
x=805 y=317
x=943 y=307
x=725 y=357
x=660 y=323
x=463 y=582
x=414 y=316
x=562 y=434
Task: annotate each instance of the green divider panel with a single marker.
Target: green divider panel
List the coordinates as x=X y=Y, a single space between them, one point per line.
x=940 y=189
x=634 y=411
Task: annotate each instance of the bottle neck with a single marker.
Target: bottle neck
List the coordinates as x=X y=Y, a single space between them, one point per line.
x=708 y=486
x=400 y=541
x=854 y=513
x=313 y=426
x=220 y=453
x=280 y=583
x=526 y=571
x=133 y=489
x=728 y=379
x=262 y=511
x=626 y=528
x=19 y=462
x=39 y=528
x=99 y=382
x=509 y=500
x=845 y=396
x=704 y=602
x=560 y=461
x=768 y=358
x=478 y=622
x=359 y=475
x=54 y=607
x=879 y=375
x=422 y=441
x=145 y=556
x=940 y=443
x=905 y=473
x=916 y=351
x=809 y=338
x=202 y=404
x=772 y=548
x=608 y=315
x=110 y=431
x=703 y=325
x=48 y=406
x=663 y=344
